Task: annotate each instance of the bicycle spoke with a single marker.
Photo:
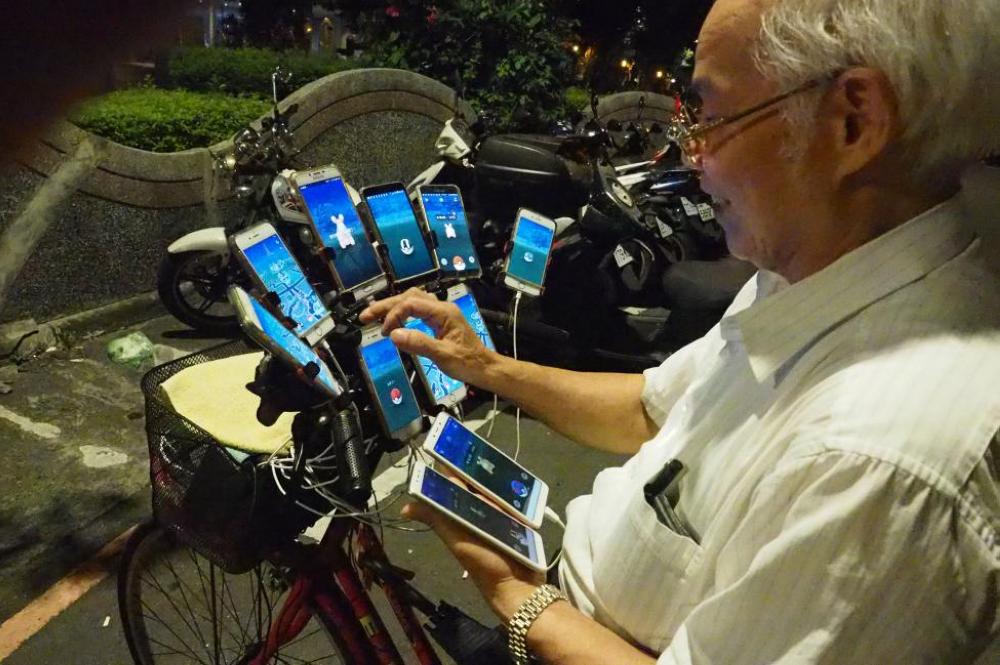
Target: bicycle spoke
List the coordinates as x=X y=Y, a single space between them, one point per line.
x=181 y=587
x=195 y=632
x=187 y=652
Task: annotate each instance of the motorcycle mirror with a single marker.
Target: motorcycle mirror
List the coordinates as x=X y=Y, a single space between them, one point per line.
x=593 y=104
x=267 y=123
x=614 y=125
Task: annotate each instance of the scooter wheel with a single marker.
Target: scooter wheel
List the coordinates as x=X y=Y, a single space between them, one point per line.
x=192 y=286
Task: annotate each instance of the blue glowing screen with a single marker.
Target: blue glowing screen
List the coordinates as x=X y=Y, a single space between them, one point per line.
x=397 y=224
x=471 y=312
x=441 y=384
x=471 y=508
x=279 y=272
x=341 y=230
x=484 y=464
x=446 y=218
x=295 y=347
x=392 y=388
x=530 y=251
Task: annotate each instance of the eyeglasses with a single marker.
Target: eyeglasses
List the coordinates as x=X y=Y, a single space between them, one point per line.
x=692 y=141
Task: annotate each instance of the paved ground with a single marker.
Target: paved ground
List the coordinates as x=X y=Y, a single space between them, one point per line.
x=76 y=476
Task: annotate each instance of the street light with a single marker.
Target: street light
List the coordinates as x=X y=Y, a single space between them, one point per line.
x=624 y=64
x=576 y=48
x=659 y=73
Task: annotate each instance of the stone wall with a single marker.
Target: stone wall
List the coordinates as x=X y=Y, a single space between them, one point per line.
x=110 y=232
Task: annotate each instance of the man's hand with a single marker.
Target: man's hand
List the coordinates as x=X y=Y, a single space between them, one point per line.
x=504 y=583
x=457 y=349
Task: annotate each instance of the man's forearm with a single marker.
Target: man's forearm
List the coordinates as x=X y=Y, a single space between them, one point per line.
x=562 y=635
x=602 y=410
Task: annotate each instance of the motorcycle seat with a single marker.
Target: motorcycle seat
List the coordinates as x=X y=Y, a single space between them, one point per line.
x=705 y=284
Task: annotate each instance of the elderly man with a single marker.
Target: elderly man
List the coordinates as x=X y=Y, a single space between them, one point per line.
x=841 y=502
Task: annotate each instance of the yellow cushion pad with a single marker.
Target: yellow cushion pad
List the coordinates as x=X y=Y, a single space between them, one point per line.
x=214 y=397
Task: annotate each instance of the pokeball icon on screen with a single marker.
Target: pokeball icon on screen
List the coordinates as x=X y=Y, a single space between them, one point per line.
x=396 y=395
x=529 y=257
x=458 y=263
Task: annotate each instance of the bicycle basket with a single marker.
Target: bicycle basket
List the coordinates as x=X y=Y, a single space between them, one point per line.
x=226 y=508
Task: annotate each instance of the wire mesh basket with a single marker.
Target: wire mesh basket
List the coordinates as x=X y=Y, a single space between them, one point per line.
x=217 y=501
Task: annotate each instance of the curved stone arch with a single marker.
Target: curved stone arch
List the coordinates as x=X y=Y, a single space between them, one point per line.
x=624 y=106
x=171 y=180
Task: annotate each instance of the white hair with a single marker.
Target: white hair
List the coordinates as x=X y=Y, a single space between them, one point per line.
x=942 y=58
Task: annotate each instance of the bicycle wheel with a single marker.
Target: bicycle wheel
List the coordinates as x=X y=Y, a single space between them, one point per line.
x=178 y=608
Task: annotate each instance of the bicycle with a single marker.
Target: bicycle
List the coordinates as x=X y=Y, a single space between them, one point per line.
x=222 y=575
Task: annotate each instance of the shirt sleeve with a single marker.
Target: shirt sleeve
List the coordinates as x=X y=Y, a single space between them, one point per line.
x=841 y=558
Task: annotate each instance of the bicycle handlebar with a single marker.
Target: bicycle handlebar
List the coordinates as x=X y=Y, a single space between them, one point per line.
x=352 y=464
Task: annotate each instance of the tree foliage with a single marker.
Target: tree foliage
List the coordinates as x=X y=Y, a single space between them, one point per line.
x=511 y=57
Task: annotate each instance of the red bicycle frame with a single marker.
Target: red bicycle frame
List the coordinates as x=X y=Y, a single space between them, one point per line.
x=331 y=590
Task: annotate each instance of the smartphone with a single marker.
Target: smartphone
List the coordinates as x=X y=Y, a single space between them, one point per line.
x=337 y=225
x=443 y=389
x=396 y=227
x=272 y=335
x=516 y=539
x=385 y=375
x=461 y=296
x=529 y=254
x=444 y=213
x=489 y=470
x=273 y=267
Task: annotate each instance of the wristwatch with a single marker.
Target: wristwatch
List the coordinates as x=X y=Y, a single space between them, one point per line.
x=525 y=615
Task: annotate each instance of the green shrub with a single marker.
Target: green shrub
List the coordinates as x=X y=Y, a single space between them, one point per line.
x=246 y=71
x=576 y=98
x=167 y=120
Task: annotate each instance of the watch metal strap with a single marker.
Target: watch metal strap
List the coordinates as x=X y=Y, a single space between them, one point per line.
x=525 y=615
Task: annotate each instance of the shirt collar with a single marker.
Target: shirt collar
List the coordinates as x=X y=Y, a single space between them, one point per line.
x=785 y=319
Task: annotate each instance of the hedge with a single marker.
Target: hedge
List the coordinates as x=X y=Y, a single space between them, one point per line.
x=246 y=71
x=167 y=120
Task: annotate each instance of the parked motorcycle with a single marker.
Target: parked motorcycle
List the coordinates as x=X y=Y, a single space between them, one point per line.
x=197 y=270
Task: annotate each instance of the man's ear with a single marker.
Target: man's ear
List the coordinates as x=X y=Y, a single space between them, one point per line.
x=865 y=111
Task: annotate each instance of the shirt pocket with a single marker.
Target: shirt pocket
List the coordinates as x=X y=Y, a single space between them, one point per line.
x=641 y=571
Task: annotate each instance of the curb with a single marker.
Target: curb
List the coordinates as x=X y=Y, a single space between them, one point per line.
x=20 y=339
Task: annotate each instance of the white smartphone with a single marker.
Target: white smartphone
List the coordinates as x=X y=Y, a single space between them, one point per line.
x=488 y=469
x=461 y=296
x=267 y=331
x=336 y=224
x=397 y=228
x=385 y=375
x=442 y=389
x=444 y=213
x=272 y=266
x=512 y=537
x=529 y=254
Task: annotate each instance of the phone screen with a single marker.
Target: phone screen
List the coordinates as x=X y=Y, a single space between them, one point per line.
x=392 y=388
x=530 y=251
x=295 y=347
x=341 y=230
x=440 y=383
x=471 y=508
x=479 y=460
x=470 y=310
x=393 y=215
x=279 y=272
x=446 y=217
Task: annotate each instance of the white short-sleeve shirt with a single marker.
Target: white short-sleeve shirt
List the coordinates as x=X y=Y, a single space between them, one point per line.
x=842 y=465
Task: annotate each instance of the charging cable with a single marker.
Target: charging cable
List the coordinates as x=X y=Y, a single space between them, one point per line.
x=553 y=516
x=517 y=417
